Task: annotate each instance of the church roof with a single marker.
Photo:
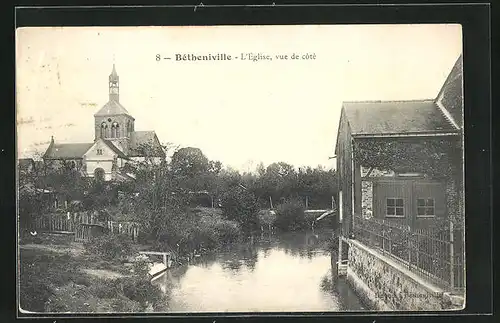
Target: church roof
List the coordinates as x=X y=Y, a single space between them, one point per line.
x=67 y=151
x=112 y=108
x=145 y=143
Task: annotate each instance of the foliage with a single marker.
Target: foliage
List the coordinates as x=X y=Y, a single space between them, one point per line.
x=435 y=157
x=290 y=216
x=189 y=162
x=40 y=274
x=110 y=246
x=217 y=231
x=240 y=205
x=266 y=217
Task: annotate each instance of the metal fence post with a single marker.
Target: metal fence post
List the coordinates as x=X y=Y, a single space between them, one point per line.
x=408 y=245
x=417 y=249
x=452 y=267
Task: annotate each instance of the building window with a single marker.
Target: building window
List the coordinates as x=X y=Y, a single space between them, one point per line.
x=425 y=207
x=104 y=127
x=115 y=130
x=395 y=207
x=99 y=151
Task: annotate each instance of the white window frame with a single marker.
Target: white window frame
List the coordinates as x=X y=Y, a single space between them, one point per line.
x=395 y=207
x=425 y=207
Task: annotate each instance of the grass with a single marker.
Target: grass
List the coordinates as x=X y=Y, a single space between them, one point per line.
x=53 y=280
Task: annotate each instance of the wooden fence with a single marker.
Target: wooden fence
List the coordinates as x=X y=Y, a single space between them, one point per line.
x=85 y=231
x=84 y=225
x=129 y=228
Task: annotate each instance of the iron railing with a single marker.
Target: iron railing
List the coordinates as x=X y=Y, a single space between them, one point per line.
x=436 y=253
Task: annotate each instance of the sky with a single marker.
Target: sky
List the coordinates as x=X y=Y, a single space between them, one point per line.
x=240 y=112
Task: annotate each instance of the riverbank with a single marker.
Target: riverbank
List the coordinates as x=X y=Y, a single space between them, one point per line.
x=58 y=275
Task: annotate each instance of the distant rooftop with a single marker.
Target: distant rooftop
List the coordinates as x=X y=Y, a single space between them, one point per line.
x=69 y=151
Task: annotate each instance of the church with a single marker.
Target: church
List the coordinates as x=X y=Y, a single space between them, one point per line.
x=116 y=142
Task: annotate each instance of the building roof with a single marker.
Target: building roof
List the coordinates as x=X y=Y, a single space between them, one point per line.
x=113 y=107
x=67 y=151
x=395 y=117
x=115 y=149
x=26 y=162
x=144 y=140
x=450 y=97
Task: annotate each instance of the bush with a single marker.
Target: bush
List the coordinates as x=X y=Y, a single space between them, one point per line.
x=105 y=288
x=241 y=206
x=140 y=289
x=110 y=246
x=290 y=216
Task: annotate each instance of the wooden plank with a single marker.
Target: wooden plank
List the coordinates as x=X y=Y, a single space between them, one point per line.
x=158 y=253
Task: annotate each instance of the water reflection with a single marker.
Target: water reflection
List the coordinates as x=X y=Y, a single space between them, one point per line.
x=291 y=272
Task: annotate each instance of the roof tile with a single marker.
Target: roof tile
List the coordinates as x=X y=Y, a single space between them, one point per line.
x=67 y=151
x=392 y=117
x=112 y=108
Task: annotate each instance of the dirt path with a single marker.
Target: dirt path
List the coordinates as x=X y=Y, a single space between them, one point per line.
x=73 y=249
x=103 y=273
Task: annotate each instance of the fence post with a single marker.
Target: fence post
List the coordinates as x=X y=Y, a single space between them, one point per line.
x=383 y=240
x=452 y=269
x=417 y=249
x=408 y=245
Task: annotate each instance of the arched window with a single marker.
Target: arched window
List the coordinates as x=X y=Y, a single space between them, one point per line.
x=104 y=127
x=115 y=130
x=128 y=127
x=99 y=174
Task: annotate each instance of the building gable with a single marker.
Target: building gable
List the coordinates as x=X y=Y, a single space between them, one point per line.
x=145 y=144
x=450 y=97
x=103 y=150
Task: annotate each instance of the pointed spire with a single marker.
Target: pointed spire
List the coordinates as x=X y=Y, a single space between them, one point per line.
x=114 y=85
x=113 y=75
x=51 y=139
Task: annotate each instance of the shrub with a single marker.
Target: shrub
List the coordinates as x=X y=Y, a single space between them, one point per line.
x=228 y=231
x=290 y=216
x=241 y=206
x=140 y=289
x=110 y=246
x=105 y=288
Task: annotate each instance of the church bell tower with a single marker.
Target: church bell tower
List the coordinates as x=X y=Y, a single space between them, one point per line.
x=114 y=85
x=112 y=121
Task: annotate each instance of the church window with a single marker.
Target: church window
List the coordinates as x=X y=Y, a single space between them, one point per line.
x=115 y=130
x=104 y=126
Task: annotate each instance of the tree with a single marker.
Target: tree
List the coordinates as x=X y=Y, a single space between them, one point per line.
x=240 y=205
x=189 y=162
x=290 y=215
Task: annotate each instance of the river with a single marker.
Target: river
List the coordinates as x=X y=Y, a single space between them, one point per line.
x=286 y=273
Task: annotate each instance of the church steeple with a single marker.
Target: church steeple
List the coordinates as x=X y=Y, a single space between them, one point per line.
x=114 y=85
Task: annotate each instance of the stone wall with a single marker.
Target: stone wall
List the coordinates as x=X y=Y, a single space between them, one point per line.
x=367 y=199
x=386 y=285
x=367 y=188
